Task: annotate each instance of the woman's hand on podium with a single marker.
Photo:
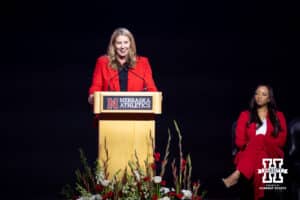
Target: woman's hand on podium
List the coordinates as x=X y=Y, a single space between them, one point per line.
x=91 y=99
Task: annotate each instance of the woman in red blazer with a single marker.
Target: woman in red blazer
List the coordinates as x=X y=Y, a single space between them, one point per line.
x=260 y=133
x=121 y=69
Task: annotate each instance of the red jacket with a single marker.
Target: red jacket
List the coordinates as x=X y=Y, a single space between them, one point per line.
x=105 y=78
x=245 y=134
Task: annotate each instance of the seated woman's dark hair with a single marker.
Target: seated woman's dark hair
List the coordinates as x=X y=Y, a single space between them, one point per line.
x=272 y=109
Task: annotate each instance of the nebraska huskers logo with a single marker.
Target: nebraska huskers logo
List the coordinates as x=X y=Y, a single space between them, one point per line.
x=272 y=170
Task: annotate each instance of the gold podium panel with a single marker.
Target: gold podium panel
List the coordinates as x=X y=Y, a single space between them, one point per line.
x=126 y=126
x=123 y=138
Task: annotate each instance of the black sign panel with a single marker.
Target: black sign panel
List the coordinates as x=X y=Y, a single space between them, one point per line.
x=127 y=103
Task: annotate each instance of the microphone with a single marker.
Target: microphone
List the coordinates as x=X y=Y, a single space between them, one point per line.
x=127 y=68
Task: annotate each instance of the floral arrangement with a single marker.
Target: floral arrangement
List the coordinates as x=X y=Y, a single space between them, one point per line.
x=140 y=183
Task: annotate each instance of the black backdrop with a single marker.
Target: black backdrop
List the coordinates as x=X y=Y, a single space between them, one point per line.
x=207 y=59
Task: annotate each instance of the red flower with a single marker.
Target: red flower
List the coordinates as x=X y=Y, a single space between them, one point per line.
x=183 y=164
x=98 y=188
x=196 y=184
x=163 y=183
x=154 y=197
x=196 y=197
x=172 y=194
x=146 y=179
x=153 y=166
x=156 y=156
x=179 y=196
x=108 y=195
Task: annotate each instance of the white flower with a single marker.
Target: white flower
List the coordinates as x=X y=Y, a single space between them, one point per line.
x=104 y=182
x=137 y=175
x=164 y=190
x=96 y=197
x=187 y=194
x=164 y=198
x=84 y=198
x=100 y=176
x=101 y=179
x=156 y=179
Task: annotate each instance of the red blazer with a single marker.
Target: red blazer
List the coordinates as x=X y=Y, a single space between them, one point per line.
x=245 y=135
x=105 y=78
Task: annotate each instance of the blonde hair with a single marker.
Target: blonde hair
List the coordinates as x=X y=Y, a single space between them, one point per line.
x=111 y=51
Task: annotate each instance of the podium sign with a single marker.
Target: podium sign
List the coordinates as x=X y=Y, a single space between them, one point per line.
x=127 y=102
x=126 y=125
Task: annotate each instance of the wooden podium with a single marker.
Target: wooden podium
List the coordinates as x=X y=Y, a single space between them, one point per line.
x=126 y=125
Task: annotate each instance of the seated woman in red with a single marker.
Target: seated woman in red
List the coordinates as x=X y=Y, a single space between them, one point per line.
x=260 y=133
